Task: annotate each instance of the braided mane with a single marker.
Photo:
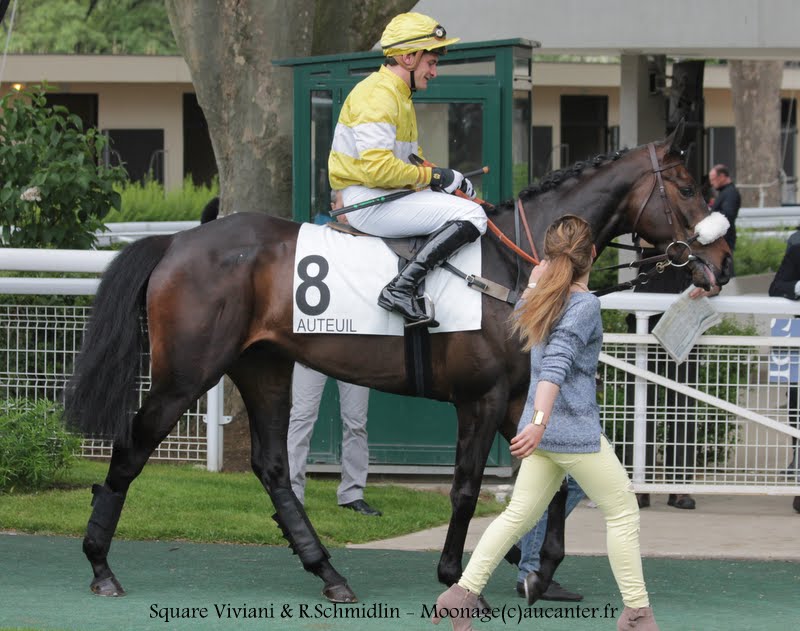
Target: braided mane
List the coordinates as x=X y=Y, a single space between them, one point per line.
x=555 y=178
x=552 y=180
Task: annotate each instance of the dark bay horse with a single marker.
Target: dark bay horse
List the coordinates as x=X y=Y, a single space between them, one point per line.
x=218 y=300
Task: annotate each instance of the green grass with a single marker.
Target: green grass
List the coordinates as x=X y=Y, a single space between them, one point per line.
x=185 y=502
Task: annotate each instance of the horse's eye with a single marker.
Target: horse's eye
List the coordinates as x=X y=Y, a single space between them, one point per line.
x=686 y=191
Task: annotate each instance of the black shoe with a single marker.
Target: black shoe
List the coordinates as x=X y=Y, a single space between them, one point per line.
x=681 y=501
x=796 y=503
x=554 y=592
x=643 y=500
x=360 y=506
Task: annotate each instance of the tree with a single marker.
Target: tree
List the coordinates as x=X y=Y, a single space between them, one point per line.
x=133 y=27
x=755 y=89
x=229 y=46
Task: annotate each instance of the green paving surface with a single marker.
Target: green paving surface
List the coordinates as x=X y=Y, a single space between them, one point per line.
x=44 y=584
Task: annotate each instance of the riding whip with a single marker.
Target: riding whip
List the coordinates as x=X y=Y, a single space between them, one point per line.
x=396 y=195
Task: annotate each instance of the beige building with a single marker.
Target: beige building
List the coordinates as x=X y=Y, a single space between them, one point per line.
x=148 y=108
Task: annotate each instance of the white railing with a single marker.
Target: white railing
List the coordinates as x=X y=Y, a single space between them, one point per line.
x=28 y=328
x=787 y=217
x=719 y=422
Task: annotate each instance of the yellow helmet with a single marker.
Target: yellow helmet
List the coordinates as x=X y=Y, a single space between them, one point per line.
x=413 y=32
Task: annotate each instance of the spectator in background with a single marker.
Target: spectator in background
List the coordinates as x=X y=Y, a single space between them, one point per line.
x=786 y=284
x=726 y=199
x=307 y=388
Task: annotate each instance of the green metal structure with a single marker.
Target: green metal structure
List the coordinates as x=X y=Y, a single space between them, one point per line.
x=476 y=112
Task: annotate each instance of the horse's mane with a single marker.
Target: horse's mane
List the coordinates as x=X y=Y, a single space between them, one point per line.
x=553 y=179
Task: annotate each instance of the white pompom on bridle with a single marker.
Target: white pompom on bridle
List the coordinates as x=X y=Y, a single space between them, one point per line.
x=712 y=228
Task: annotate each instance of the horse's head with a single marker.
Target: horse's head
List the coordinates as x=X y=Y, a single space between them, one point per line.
x=666 y=208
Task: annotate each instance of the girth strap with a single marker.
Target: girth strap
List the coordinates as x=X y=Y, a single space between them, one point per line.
x=484 y=285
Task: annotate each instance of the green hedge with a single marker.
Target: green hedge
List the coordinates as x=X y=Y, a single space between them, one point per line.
x=34 y=446
x=149 y=202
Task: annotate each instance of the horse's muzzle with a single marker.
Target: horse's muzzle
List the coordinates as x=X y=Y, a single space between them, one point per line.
x=708 y=276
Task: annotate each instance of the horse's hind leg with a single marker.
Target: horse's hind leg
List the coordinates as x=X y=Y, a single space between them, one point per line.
x=153 y=422
x=264 y=381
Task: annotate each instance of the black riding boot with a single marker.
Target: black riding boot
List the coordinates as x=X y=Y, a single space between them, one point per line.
x=398 y=295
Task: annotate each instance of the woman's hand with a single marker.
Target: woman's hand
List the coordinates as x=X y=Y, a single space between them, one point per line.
x=537 y=272
x=526 y=442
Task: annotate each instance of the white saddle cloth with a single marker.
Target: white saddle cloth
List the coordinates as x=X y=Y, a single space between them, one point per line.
x=338 y=277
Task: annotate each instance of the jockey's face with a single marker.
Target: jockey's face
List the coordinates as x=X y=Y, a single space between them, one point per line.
x=426 y=70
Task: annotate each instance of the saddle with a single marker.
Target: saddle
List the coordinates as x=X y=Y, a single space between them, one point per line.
x=406 y=247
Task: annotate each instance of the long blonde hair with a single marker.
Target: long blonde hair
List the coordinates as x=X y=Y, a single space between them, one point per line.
x=568 y=250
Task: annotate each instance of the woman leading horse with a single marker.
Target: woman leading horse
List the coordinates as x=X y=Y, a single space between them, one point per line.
x=218 y=300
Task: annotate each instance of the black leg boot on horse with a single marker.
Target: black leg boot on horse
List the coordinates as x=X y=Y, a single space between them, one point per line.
x=106 y=510
x=399 y=295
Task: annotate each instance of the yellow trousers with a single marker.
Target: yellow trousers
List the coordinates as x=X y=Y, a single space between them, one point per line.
x=606 y=483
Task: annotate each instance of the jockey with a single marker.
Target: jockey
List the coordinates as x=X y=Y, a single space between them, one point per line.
x=375 y=134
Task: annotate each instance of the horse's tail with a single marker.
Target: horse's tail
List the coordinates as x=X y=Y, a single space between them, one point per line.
x=101 y=397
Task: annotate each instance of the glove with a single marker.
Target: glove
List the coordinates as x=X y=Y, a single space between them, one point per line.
x=467 y=188
x=446 y=180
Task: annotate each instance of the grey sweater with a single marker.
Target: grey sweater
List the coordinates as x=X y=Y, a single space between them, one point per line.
x=568 y=358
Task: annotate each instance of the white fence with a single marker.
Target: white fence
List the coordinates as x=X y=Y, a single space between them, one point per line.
x=720 y=422
x=717 y=425
x=40 y=345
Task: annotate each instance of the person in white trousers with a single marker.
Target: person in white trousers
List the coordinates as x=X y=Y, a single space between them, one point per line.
x=307 y=388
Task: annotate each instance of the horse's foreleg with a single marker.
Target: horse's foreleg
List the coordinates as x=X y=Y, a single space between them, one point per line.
x=477 y=425
x=552 y=550
x=265 y=388
x=152 y=424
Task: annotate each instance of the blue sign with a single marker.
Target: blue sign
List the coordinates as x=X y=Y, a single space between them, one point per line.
x=784 y=363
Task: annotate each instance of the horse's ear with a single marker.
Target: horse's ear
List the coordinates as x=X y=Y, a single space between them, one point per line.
x=674 y=142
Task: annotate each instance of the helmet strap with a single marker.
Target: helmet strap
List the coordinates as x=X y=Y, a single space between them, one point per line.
x=411 y=67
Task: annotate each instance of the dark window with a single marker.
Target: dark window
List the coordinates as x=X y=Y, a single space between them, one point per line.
x=542 y=150
x=84 y=106
x=789 y=150
x=140 y=151
x=198 y=154
x=722 y=147
x=584 y=125
x=788 y=135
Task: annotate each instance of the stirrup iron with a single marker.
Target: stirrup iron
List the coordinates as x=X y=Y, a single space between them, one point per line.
x=428 y=307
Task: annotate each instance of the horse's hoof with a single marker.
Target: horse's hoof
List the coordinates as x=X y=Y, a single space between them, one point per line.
x=448 y=574
x=534 y=587
x=108 y=586
x=340 y=593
